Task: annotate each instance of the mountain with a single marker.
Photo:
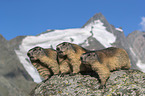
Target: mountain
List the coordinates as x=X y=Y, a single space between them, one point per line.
x=96 y=34
x=14 y=80
x=136 y=40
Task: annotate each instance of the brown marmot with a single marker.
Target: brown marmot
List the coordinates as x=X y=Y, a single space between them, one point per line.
x=64 y=65
x=43 y=71
x=45 y=60
x=106 y=60
x=73 y=53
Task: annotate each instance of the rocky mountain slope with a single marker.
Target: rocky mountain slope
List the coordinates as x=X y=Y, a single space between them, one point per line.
x=137 y=44
x=14 y=80
x=97 y=33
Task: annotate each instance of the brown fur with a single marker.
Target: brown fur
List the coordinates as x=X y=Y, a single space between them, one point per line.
x=45 y=59
x=43 y=71
x=106 y=60
x=73 y=53
x=64 y=65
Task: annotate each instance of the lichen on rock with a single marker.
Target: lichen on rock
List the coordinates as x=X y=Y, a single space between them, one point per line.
x=124 y=82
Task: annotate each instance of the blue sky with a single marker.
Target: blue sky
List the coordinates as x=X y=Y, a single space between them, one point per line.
x=31 y=17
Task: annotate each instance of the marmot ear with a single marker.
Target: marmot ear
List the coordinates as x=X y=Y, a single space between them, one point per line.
x=97 y=57
x=46 y=52
x=36 y=48
x=65 y=44
x=71 y=46
x=41 y=49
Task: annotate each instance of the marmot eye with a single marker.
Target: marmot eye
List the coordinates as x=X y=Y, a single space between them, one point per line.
x=34 y=49
x=88 y=54
x=58 y=49
x=28 y=54
x=40 y=49
x=63 y=44
x=81 y=58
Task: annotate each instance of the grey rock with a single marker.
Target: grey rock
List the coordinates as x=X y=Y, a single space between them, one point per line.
x=13 y=77
x=93 y=44
x=14 y=43
x=137 y=41
x=99 y=16
x=120 y=83
x=17 y=87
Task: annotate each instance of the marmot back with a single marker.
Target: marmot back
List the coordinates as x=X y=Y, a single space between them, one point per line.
x=106 y=60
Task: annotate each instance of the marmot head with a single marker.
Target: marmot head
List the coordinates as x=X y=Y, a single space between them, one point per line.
x=35 y=52
x=63 y=48
x=89 y=57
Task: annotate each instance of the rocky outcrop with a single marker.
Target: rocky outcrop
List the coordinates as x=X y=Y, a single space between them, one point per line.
x=120 y=83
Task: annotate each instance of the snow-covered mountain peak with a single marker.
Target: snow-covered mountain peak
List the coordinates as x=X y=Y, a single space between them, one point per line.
x=97 y=16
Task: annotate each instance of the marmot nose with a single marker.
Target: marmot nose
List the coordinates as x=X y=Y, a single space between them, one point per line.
x=60 y=52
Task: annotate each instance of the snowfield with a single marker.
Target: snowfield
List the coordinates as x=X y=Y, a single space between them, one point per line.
x=51 y=39
x=141 y=65
x=119 y=29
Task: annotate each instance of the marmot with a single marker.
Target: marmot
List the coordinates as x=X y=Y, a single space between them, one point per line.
x=45 y=60
x=106 y=60
x=64 y=65
x=73 y=53
x=43 y=71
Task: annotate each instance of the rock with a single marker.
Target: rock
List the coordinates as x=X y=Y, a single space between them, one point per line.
x=14 y=79
x=120 y=83
x=137 y=41
x=11 y=88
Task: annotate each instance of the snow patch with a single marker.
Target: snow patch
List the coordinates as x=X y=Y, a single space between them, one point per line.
x=141 y=65
x=132 y=51
x=51 y=39
x=29 y=67
x=119 y=29
x=139 y=62
x=101 y=34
